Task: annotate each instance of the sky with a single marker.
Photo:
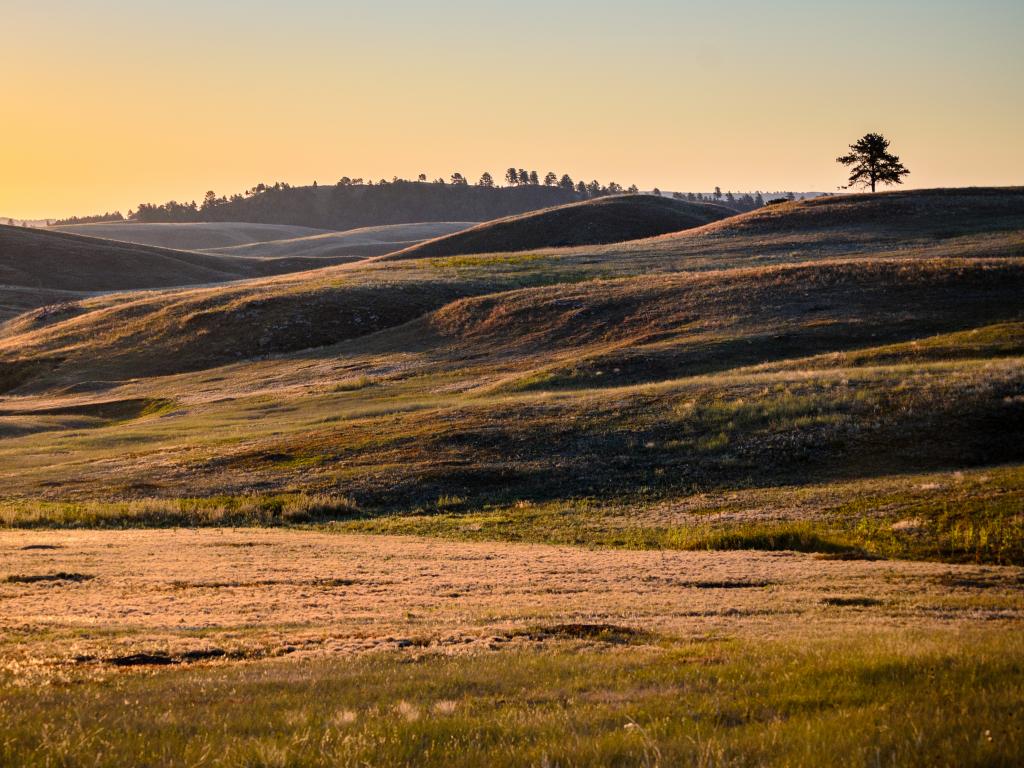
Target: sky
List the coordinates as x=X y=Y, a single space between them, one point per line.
x=108 y=103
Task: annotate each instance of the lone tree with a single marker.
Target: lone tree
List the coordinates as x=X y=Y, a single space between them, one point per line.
x=873 y=163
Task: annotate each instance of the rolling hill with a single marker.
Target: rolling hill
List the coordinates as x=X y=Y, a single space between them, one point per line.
x=191 y=329
x=45 y=267
x=363 y=205
x=604 y=220
x=189 y=236
x=367 y=241
x=58 y=261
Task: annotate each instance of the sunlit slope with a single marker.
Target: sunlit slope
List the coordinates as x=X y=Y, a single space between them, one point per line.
x=190 y=236
x=604 y=220
x=676 y=392
x=186 y=330
x=355 y=243
x=671 y=384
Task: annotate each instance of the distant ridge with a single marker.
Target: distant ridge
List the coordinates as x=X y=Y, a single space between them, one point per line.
x=355 y=243
x=592 y=222
x=189 y=236
x=352 y=207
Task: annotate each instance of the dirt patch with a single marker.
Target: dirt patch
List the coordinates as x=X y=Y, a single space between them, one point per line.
x=607 y=633
x=851 y=602
x=978 y=581
x=41 y=577
x=264 y=583
x=739 y=584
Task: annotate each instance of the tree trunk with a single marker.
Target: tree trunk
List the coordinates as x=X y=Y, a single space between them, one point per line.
x=872 y=185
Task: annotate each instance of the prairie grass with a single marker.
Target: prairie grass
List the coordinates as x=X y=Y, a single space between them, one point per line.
x=245 y=510
x=958 y=517
x=883 y=697
x=951 y=517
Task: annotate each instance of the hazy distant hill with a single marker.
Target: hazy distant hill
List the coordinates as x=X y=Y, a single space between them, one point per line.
x=193 y=236
x=592 y=222
x=350 y=207
x=355 y=243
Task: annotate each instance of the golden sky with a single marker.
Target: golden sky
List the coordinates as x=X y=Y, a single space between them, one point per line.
x=108 y=103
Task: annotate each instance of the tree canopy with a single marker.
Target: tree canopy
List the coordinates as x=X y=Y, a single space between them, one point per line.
x=871 y=163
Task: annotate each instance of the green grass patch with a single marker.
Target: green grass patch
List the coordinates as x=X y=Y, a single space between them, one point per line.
x=245 y=510
x=882 y=698
x=493 y=260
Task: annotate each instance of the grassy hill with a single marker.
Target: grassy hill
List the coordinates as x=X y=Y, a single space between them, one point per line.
x=57 y=261
x=39 y=268
x=357 y=206
x=940 y=213
x=805 y=424
x=714 y=387
x=189 y=236
x=363 y=242
x=185 y=330
x=604 y=220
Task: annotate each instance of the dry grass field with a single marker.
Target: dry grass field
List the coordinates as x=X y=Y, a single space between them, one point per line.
x=750 y=493
x=313 y=648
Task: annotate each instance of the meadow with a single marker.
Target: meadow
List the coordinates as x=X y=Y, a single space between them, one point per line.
x=747 y=493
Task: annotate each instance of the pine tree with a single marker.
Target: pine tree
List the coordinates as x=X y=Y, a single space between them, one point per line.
x=873 y=163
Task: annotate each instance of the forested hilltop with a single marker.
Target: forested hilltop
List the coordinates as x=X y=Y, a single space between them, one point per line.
x=346 y=206
x=354 y=203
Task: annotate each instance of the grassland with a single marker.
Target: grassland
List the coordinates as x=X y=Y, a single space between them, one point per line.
x=190 y=236
x=321 y=649
x=751 y=493
x=354 y=243
x=603 y=220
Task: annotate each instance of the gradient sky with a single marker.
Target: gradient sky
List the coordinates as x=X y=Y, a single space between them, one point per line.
x=107 y=103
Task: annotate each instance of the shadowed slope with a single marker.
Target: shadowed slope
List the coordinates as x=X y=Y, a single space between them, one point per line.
x=467 y=401
x=355 y=243
x=39 y=268
x=940 y=213
x=189 y=236
x=37 y=258
x=605 y=220
x=956 y=223
x=186 y=330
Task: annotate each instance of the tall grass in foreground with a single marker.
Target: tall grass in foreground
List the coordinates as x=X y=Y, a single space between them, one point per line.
x=891 y=697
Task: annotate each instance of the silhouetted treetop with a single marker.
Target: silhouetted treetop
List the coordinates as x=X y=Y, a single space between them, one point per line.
x=871 y=163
